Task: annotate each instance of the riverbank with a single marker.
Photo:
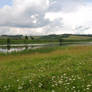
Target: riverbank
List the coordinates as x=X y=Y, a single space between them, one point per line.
x=56 y=69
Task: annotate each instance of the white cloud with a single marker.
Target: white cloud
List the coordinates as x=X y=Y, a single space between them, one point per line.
x=19 y=13
x=82 y=17
x=45 y=17
x=53 y=15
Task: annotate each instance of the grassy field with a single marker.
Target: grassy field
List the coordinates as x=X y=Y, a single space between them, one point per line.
x=48 y=39
x=57 y=69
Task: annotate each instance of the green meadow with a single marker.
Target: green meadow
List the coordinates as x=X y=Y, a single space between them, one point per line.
x=47 y=39
x=50 y=69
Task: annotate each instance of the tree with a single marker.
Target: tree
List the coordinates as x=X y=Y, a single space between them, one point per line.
x=26 y=37
x=60 y=41
x=8 y=43
x=25 y=42
x=32 y=38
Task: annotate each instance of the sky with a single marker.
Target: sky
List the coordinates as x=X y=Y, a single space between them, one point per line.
x=5 y=2
x=44 y=17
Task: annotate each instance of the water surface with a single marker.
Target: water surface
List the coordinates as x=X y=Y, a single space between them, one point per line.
x=21 y=47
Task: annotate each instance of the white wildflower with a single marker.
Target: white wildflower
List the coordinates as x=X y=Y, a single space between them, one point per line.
x=20 y=87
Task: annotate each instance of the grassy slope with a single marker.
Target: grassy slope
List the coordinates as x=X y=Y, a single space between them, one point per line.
x=78 y=39
x=61 y=69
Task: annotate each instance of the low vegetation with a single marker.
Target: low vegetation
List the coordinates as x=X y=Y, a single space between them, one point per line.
x=69 y=38
x=56 y=69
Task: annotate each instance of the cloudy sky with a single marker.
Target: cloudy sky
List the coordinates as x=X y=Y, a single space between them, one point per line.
x=43 y=17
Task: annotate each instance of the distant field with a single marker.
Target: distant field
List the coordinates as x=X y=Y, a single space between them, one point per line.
x=27 y=42
x=78 y=39
x=49 y=39
x=57 y=69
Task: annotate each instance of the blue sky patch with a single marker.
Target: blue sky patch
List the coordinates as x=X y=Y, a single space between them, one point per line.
x=5 y=2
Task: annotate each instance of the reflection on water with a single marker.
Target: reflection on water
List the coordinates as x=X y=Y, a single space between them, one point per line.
x=16 y=49
x=21 y=47
x=5 y=50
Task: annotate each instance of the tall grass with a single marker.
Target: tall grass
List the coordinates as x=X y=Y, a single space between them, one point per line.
x=59 y=69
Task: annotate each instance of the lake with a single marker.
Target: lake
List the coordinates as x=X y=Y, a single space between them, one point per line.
x=21 y=47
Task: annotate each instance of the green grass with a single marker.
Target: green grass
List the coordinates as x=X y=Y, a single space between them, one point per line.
x=48 y=39
x=78 y=39
x=21 y=41
x=56 y=69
